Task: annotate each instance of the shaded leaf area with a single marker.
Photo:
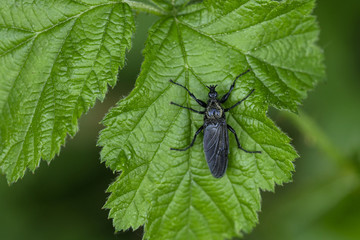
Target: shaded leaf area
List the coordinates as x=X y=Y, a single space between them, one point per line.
x=56 y=58
x=173 y=193
x=170 y=5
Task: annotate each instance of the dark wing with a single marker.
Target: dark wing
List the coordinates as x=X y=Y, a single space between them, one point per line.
x=216 y=148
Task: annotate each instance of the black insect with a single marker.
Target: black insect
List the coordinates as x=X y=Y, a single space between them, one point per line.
x=216 y=139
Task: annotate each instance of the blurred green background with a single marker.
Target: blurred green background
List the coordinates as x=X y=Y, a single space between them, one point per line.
x=63 y=201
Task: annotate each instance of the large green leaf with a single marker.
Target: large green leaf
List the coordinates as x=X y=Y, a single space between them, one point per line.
x=56 y=58
x=173 y=193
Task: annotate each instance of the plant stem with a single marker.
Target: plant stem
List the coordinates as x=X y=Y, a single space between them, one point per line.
x=143 y=7
x=311 y=130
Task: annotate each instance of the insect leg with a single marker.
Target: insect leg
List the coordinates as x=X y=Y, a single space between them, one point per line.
x=226 y=96
x=238 y=142
x=201 y=103
x=200 y=112
x=227 y=109
x=192 y=142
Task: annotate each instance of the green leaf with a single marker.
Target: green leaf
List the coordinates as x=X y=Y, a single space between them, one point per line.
x=56 y=58
x=173 y=193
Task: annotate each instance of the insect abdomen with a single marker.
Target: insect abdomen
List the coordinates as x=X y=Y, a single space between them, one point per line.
x=216 y=147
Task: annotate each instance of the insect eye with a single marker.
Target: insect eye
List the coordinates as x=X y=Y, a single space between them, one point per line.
x=212 y=94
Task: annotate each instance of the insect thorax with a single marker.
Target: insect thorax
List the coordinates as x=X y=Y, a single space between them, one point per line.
x=214 y=110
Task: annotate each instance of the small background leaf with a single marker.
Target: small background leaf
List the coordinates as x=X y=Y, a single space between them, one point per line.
x=57 y=58
x=173 y=193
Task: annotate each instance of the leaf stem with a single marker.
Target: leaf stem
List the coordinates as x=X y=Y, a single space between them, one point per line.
x=311 y=130
x=143 y=7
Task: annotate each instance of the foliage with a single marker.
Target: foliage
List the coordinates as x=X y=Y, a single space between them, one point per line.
x=173 y=193
x=57 y=58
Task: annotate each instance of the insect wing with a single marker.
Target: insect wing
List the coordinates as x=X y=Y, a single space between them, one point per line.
x=216 y=148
